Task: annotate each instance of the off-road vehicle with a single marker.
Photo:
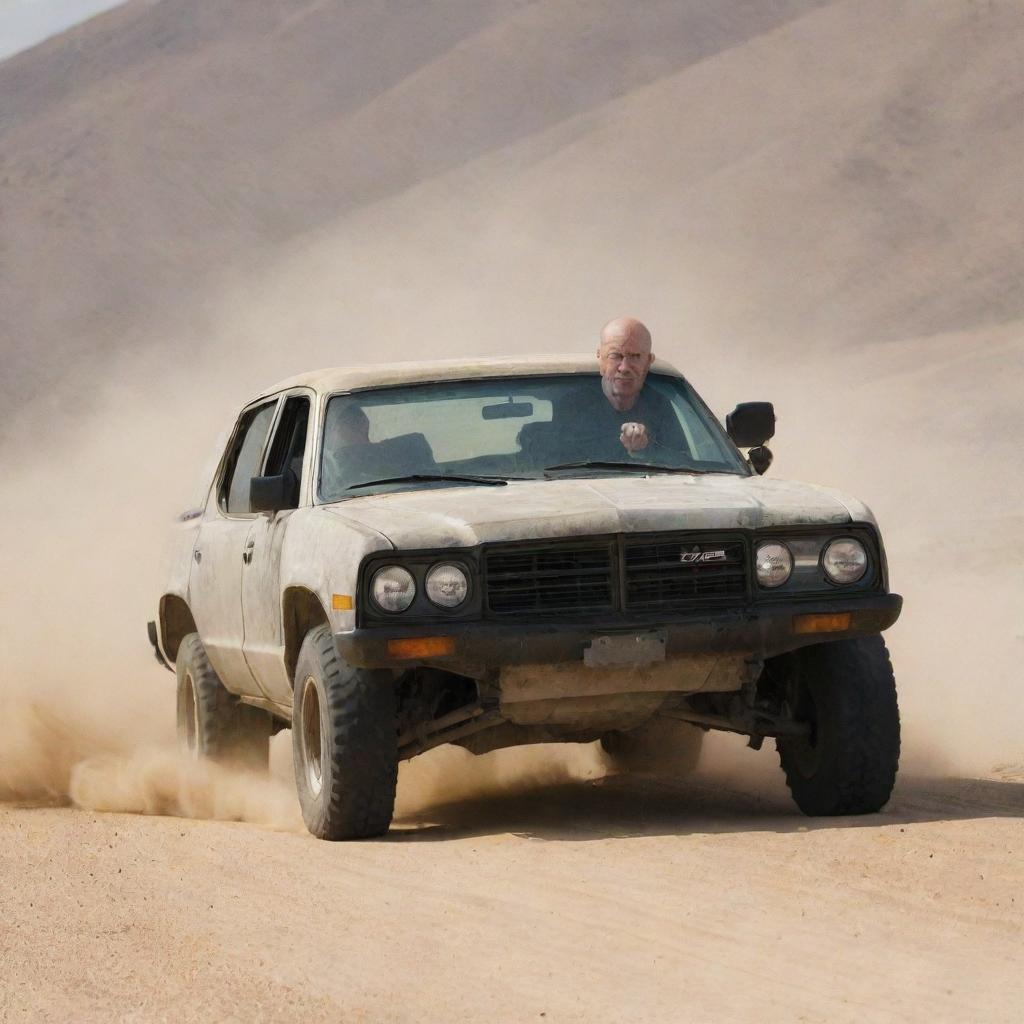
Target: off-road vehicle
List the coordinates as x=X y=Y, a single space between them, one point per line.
x=396 y=557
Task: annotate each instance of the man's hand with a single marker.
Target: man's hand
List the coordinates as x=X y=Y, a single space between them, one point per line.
x=634 y=437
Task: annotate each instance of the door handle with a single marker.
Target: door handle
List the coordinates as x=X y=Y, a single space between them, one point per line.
x=197 y=555
x=247 y=553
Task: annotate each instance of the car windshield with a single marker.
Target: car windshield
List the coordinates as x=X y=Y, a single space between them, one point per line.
x=480 y=432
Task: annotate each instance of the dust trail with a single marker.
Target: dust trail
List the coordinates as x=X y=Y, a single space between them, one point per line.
x=48 y=757
x=448 y=775
x=162 y=782
x=39 y=750
x=86 y=715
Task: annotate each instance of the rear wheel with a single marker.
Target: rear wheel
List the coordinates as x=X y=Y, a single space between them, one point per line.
x=847 y=763
x=214 y=724
x=661 y=745
x=344 y=743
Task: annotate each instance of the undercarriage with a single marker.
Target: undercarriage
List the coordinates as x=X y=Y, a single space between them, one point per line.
x=745 y=696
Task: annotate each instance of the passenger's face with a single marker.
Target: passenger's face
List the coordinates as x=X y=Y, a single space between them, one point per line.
x=624 y=364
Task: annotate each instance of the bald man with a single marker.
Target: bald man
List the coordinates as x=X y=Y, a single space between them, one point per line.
x=622 y=418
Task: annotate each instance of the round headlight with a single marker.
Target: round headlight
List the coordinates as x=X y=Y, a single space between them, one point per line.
x=845 y=560
x=393 y=588
x=774 y=564
x=447 y=585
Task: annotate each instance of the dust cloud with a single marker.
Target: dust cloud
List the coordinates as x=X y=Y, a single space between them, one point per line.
x=449 y=775
x=764 y=250
x=917 y=428
x=86 y=715
x=52 y=757
x=162 y=782
x=41 y=748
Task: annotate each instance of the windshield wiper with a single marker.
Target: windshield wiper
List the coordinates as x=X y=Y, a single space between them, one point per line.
x=413 y=478
x=646 y=467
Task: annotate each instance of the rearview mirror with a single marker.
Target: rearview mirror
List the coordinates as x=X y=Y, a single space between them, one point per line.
x=750 y=424
x=508 y=410
x=274 y=493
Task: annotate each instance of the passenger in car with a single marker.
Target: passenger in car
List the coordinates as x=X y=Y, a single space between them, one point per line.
x=351 y=459
x=622 y=417
x=624 y=357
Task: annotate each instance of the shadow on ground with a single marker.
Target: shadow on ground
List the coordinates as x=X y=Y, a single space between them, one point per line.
x=624 y=806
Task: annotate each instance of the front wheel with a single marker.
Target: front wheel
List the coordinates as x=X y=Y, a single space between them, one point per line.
x=847 y=763
x=344 y=743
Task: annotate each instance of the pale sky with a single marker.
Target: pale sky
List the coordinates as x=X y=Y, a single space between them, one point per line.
x=24 y=23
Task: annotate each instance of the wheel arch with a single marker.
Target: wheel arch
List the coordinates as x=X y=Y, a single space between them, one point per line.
x=301 y=611
x=176 y=622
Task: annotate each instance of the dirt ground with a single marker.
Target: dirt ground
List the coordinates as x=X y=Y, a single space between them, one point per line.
x=603 y=899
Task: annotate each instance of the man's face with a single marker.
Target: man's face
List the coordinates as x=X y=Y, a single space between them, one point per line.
x=624 y=363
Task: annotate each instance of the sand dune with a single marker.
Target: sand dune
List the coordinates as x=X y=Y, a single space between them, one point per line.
x=809 y=170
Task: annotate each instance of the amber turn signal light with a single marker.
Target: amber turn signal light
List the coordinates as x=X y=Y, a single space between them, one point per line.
x=837 y=623
x=421 y=647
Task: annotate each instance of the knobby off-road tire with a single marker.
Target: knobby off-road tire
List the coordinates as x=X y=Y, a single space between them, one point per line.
x=661 y=745
x=848 y=764
x=214 y=724
x=344 y=743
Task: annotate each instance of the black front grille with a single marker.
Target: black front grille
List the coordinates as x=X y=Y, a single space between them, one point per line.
x=634 y=573
x=570 y=577
x=674 y=572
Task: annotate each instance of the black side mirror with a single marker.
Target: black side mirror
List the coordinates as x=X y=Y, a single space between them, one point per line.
x=750 y=424
x=274 y=493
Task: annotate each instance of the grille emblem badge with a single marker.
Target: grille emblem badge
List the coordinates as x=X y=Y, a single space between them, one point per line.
x=696 y=555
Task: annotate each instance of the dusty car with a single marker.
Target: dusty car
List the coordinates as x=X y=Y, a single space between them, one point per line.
x=392 y=558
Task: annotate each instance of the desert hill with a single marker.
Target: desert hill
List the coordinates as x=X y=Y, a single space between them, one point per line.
x=801 y=169
x=151 y=148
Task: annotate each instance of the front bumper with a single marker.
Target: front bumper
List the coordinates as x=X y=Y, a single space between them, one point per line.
x=760 y=631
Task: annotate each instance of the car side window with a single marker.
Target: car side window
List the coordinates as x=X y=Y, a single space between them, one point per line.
x=244 y=458
x=288 y=447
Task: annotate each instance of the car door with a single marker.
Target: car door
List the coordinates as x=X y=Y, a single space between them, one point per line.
x=261 y=573
x=215 y=581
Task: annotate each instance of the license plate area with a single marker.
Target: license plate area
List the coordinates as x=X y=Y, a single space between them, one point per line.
x=625 y=649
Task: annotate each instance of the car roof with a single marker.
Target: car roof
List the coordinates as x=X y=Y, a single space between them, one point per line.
x=354 y=378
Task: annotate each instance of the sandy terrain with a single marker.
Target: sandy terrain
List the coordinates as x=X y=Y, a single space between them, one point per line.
x=812 y=202
x=604 y=900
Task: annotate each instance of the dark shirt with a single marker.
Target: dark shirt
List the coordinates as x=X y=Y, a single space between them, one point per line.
x=594 y=426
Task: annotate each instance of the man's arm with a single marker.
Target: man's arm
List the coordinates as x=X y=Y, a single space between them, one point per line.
x=656 y=427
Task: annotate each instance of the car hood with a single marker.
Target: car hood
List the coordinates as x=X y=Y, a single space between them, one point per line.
x=523 y=510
